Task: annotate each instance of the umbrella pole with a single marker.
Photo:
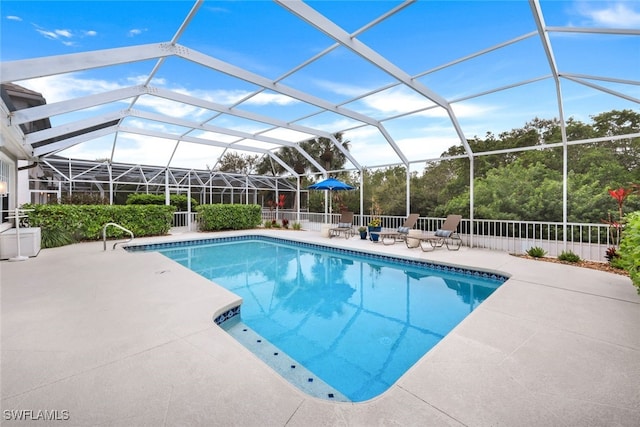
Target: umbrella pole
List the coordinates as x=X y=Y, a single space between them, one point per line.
x=326 y=207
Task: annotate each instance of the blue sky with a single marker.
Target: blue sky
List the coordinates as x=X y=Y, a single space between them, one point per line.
x=266 y=39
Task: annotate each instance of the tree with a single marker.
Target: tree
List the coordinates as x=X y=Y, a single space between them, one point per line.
x=514 y=192
x=593 y=168
x=290 y=156
x=238 y=163
x=321 y=149
x=391 y=189
x=623 y=122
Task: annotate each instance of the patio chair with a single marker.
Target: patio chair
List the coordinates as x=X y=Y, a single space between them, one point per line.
x=399 y=235
x=447 y=235
x=345 y=226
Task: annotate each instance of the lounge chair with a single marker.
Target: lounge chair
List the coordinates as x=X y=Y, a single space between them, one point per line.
x=345 y=226
x=447 y=235
x=401 y=233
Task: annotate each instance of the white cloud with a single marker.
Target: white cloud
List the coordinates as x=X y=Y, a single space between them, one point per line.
x=64 y=33
x=429 y=145
x=213 y=136
x=416 y=143
x=350 y=91
x=196 y=156
x=396 y=100
x=48 y=34
x=65 y=36
x=152 y=126
x=62 y=87
x=469 y=109
x=271 y=99
x=142 y=149
x=13 y=18
x=141 y=79
x=336 y=123
x=219 y=96
x=287 y=135
x=171 y=108
x=59 y=35
x=98 y=148
x=135 y=32
x=616 y=15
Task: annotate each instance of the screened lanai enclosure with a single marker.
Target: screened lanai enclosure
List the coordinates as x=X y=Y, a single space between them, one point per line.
x=105 y=181
x=152 y=96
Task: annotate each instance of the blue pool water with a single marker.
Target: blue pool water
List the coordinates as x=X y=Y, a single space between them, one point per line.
x=352 y=323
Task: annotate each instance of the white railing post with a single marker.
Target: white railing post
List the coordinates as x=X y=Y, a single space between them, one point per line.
x=189 y=202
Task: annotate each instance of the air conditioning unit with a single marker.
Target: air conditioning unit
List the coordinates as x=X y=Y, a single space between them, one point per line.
x=29 y=242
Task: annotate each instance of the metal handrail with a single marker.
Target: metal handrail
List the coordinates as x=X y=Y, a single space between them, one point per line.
x=104 y=234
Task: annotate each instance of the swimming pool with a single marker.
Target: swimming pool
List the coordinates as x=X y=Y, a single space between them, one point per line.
x=339 y=324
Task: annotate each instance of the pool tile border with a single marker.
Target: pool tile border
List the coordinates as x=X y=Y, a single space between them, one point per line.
x=404 y=261
x=227 y=315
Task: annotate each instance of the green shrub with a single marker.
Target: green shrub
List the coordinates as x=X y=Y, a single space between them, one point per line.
x=630 y=247
x=65 y=224
x=83 y=199
x=229 y=217
x=536 y=252
x=617 y=263
x=53 y=237
x=177 y=200
x=296 y=226
x=568 y=256
x=145 y=199
x=267 y=224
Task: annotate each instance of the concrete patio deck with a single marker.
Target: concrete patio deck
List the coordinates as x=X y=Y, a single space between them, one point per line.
x=126 y=339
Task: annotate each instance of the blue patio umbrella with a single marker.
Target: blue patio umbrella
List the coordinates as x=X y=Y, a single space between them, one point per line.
x=331 y=184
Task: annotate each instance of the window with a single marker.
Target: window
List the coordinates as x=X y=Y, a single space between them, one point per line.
x=6 y=175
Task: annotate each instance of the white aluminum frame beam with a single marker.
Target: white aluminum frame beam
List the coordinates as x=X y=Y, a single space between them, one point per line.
x=538 y=17
x=328 y=27
x=602 y=88
x=53 y=132
x=63 y=107
x=209 y=105
x=225 y=131
x=242 y=74
x=13 y=71
x=39 y=136
x=46 y=111
x=70 y=142
x=205 y=142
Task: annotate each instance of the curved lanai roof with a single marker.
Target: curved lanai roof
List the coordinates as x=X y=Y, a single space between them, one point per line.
x=182 y=83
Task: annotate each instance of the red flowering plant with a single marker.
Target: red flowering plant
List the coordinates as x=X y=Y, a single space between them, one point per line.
x=273 y=204
x=615 y=226
x=620 y=195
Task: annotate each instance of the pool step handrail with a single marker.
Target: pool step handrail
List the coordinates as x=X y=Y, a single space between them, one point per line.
x=104 y=234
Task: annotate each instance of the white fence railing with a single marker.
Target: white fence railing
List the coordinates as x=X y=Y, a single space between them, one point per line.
x=184 y=221
x=588 y=241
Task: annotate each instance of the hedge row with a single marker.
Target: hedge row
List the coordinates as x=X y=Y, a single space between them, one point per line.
x=630 y=247
x=177 y=200
x=65 y=224
x=228 y=217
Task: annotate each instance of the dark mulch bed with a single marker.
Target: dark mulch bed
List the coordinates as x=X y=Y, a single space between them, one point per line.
x=602 y=266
